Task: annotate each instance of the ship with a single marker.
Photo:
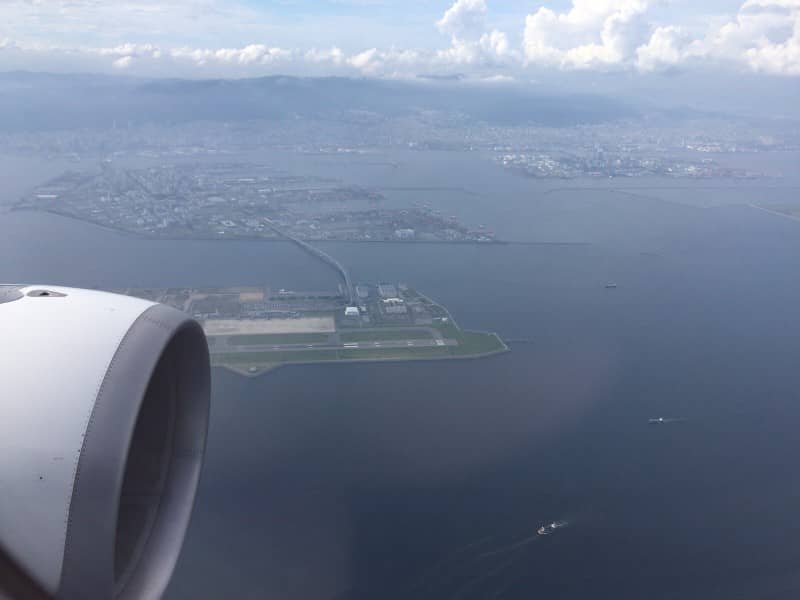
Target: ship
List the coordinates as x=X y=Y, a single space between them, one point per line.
x=611 y=286
x=551 y=527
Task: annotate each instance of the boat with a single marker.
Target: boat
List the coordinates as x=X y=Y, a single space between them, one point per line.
x=551 y=527
x=611 y=286
x=664 y=421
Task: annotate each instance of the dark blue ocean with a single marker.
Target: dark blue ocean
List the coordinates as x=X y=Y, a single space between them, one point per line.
x=429 y=480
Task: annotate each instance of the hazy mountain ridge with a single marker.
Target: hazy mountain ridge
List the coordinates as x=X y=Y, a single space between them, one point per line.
x=36 y=102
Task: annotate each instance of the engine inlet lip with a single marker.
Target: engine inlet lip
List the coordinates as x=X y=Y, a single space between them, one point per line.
x=88 y=565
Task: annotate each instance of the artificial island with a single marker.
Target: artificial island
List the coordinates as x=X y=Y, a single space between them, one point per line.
x=230 y=201
x=252 y=330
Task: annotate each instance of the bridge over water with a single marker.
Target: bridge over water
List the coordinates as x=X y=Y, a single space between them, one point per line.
x=324 y=257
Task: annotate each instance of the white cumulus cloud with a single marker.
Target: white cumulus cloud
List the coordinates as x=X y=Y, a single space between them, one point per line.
x=123 y=62
x=760 y=36
x=464 y=17
x=333 y=55
x=125 y=55
x=471 y=42
x=765 y=36
x=668 y=47
x=593 y=33
x=388 y=63
x=253 y=54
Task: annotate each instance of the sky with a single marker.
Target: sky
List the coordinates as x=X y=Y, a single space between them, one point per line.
x=490 y=40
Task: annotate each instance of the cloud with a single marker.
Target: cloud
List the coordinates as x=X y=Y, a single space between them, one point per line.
x=491 y=49
x=123 y=62
x=389 y=63
x=251 y=55
x=471 y=43
x=592 y=34
x=365 y=61
x=254 y=54
x=668 y=47
x=464 y=17
x=75 y=22
x=764 y=36
x=333 y=56
x=124 y=55
x=495 y=43
x=761 y=36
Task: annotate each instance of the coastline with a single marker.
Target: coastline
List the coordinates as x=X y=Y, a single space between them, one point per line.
x=777 y=213
x=244 y=238
x=244 y=372
x=263 y=368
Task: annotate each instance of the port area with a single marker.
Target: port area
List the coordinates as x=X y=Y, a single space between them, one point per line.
x=252 y=330
x=240 y=200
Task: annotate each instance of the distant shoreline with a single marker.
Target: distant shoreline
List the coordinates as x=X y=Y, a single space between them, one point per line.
x=142 y=236
x=777 y=213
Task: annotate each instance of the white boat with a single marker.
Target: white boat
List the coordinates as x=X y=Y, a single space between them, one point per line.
x=551 y=527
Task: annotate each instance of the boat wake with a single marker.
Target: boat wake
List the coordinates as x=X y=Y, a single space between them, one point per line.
x=483 y=568
x=551 y=528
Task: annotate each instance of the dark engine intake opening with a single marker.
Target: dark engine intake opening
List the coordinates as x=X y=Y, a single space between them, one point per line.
x=162 y=467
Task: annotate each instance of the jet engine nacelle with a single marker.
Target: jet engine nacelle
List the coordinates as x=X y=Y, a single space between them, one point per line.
x=104 y=404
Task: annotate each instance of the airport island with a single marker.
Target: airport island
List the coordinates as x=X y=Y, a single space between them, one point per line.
x=252 y=330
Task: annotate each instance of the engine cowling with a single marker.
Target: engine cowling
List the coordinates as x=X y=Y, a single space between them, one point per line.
x=104 y=406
